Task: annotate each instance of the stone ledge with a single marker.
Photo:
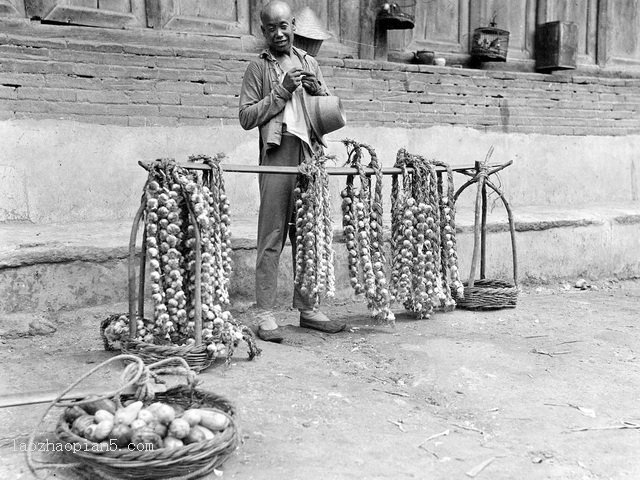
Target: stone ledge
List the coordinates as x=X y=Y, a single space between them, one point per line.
x=24 y=244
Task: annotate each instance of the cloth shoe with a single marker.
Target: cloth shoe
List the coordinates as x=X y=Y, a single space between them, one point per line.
x=268 y=329
x=319 y=321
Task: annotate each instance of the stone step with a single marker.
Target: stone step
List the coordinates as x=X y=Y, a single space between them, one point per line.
x=49 y=267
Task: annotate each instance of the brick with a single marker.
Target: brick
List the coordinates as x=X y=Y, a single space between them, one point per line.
x=229 y=121
x=369 y=84
x=220 y=65
x=35 y=66
x=346 y=73
x=146 y=50
x=151 y=121
x=34 y=42
x=350 y=94
x=164 y=98
x=221 y=89
x=196 y=53
x=414 y=86
x=128 y=84
x=179 y=63
x=133 y=110
x=188 y=111
x=53 y=94
x=330 y=62
x=397 y=75
x=209 y=122
x=72 y=81
x=24 y=52
x=25 y=106
x=102 y=119
x=355 y=105
x=401 y=107
x=360 y=64
x=95 y=47
x=8 y=93
x=103 y=97
x=183 y=87
x=206 y=100
x=21 y=79
x=372 y=117
x=6 y=114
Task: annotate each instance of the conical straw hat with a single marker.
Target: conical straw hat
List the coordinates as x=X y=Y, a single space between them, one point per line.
x=308 y=25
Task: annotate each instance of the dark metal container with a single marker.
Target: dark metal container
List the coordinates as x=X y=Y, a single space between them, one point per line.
x=556 y=46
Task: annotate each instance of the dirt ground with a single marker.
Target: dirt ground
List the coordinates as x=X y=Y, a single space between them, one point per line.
x=541 y=391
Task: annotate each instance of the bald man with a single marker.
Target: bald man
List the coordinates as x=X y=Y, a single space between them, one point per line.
x=271 y=99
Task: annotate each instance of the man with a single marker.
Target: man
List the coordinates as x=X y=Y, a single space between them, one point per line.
x=271 y=99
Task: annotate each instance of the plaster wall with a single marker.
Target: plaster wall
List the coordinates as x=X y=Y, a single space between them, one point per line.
x=60 y=171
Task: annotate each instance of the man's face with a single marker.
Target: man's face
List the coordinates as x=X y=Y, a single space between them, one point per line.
x=277 y=28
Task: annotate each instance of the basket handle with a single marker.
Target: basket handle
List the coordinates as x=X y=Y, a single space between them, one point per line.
x=136 y=371
x=481 y=176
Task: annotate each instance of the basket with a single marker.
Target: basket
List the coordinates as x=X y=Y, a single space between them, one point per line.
x=487 y=294
x=190 y=461
x=197 y=356
x=490 y=44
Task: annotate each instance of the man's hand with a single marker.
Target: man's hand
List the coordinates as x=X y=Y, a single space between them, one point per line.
x=311 y=83
x=292 y=79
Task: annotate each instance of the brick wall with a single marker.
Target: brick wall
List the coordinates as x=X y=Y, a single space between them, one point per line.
x=138 y=83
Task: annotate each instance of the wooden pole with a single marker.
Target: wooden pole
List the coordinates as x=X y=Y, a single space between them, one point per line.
x=344 y=171
x=476 y=229
x=143 y=272
x=132 y=269
x=483 y=232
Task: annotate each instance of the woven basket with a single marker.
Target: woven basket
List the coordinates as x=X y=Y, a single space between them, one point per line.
x=488 y=294
x=196 y=356
x=190 y=461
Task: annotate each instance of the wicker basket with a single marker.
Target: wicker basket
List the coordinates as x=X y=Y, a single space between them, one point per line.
x=488 y=294
x=197 y=356
x=190 y=461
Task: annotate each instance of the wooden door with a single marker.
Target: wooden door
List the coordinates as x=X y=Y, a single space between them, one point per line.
x=96 y=13
x=202 y=16
x=440 y=25
x=584 y=13
x=620 y=30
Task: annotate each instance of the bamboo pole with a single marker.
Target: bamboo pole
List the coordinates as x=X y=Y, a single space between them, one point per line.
x=483 y=231
x=476 y=229
x=237 y=168
x=132 y=269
